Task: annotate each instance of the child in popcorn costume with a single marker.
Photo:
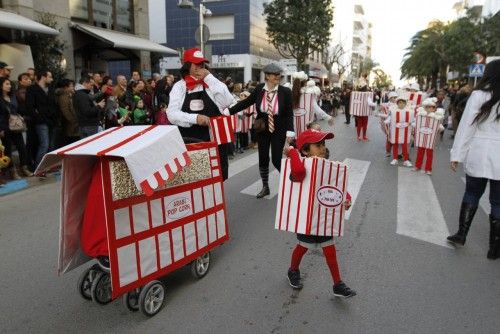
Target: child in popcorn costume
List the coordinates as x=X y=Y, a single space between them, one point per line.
x=311 y=143
x=428 y=125
x=400 y=120
x=384 y=113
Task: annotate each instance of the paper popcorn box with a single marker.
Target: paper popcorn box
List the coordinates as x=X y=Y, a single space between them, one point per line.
x=359 y=103
x=222 y=131
x=304 y=114
x=248 y=117
x=315 y=205
x=426 y=130
x=401 y=126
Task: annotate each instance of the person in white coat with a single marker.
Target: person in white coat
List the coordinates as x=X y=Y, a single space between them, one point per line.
x=477 y=146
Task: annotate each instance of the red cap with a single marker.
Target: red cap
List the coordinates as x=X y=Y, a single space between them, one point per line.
x=311 y=137
x=194 y=55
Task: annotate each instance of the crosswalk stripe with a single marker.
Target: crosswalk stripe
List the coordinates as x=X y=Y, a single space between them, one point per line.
x=419 y=214
x=238 y=166
x=484 y=203
x=254 y=188
x=357 y=174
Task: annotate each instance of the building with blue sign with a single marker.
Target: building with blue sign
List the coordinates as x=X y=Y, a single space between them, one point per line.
x=238 y=43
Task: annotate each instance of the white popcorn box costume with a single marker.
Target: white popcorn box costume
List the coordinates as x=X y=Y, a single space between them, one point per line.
x=304 y=114
x=313 y=206
x=248 y=117
x=359 y=103
x=400 y=125
x=427 y=127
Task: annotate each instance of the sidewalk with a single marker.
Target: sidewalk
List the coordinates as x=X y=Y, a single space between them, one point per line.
x=13 y=186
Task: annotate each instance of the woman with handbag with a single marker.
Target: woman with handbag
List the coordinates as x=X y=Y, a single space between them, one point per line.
x=12 y=126
x=274 y=122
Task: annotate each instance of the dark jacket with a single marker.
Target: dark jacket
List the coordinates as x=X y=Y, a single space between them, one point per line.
x=87 y=112
x=6 y=108
x=283 y=121
x=40 y=106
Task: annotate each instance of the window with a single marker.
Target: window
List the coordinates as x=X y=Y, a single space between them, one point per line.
x=221 y=27
x=79 y=9
x=108 y=14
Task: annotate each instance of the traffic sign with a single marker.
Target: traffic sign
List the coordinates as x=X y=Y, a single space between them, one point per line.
x=206 y=34
x=476 y=70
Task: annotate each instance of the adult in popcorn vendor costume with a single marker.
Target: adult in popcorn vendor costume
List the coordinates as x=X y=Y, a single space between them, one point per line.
x=274 y=121
x=428 y=124
x=196 y=98
x=305 y=105
x=476 y=145
x=311 y=144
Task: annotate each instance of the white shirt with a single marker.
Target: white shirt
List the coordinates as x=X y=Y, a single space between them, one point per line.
x=217 y=91
x=478 y=145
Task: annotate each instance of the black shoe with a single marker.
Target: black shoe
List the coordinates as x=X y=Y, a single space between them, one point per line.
x=264 y=192
x=467 y=213
x=347 y=122
x=103 y=262
x=494 y=249
x=294 y=279
x=342 y=290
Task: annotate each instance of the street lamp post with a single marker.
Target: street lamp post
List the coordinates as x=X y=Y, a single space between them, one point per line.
x=202 y=10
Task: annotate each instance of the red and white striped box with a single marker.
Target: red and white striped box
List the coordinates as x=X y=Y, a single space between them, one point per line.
x=384 y=109
x=150 y=237
x=359 y=103
x=304 y=114
x=401 y=126
x=222 y=131
x=236 y=122
x=313 y=206
x=426 y=130
x=415 y=99
x=248 y=118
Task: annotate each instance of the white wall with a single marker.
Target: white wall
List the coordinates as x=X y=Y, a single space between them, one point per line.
x=157 y=21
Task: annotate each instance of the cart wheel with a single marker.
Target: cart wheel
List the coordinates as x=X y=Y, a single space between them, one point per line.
x=131 y=300
x=85 y=281
x=200 y=266
x=101 y=288
x=152 y=298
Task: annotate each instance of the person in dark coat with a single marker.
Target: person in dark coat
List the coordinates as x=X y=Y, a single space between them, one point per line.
x=87 y=112
x=274 y=107
x=42 y=110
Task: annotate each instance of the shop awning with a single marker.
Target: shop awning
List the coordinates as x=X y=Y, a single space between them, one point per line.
x=122 y=40
x=15 y=21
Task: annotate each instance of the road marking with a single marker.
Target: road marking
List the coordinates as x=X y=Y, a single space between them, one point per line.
x=484 y=201
x=242 y=164
x=419 y=214
x=357 y=174
x=274 y=182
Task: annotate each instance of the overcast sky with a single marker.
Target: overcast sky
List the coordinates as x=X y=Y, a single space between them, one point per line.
x=395 y=22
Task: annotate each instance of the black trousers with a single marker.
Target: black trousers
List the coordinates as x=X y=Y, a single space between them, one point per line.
x=347 y=114
x=276 y=141
x=224 y=164
x=15 y=138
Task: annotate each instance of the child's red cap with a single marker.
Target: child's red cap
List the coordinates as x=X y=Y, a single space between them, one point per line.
x=311 y=136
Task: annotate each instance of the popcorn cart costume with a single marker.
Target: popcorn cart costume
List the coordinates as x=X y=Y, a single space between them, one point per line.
x=427 y=127
x=158 y=204
x=361 y=107
x=311 y=200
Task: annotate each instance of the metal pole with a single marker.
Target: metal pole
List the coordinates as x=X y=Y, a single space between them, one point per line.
x=475 y=81
x=202 y=44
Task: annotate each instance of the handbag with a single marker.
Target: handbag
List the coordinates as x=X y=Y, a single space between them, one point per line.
x=259 y=125
x=17 y=123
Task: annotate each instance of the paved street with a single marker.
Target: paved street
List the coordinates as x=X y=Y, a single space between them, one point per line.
x=404 y=284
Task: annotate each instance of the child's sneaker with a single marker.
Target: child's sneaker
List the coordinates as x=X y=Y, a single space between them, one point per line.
x=294 y=279
x=407 y=163
x=342 y=290
x=428 y=172
x=416 y=169
x=394 y=162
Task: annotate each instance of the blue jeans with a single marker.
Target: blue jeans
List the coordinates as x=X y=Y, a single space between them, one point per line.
x=474 y=189
x=43 y=134
x=86 y=131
